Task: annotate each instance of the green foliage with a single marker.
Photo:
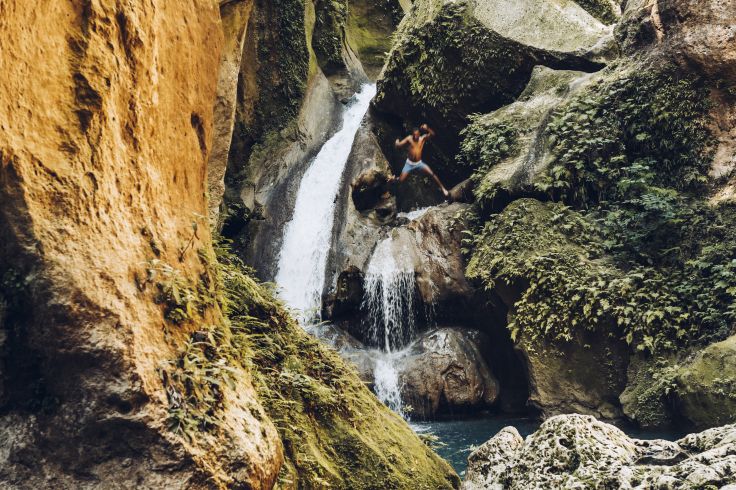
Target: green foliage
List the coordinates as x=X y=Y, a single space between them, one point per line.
x=643 y=257
x=182 y=300
x=649 y=126
x=484 y=145
x=439 y=65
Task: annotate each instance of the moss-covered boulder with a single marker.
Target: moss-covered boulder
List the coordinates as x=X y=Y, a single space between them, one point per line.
x=451 y=59
x=705 y=389
x=335 y=432
x=508 y=148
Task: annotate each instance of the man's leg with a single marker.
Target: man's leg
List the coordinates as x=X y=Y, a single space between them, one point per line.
x=403 y=177
x=427 y=170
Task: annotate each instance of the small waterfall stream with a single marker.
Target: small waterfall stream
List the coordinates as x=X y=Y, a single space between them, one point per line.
x=303 y=257
x=389 y=296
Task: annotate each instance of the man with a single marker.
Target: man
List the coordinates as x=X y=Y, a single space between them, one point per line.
x=415 y=141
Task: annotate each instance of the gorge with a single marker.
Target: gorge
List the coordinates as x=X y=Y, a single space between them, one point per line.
x=209 y=279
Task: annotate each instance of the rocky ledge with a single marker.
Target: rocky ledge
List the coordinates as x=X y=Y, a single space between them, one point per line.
x=578 y=451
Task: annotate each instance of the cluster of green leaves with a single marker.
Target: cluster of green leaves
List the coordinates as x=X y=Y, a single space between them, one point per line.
x=484 y=144
x=195 y=382
x=650 y=122
x=554 y=257
x=182 y=300
x=640 y=255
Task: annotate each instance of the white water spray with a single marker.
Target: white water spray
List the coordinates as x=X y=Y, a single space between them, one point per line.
x=303 y=258
x=389 y=296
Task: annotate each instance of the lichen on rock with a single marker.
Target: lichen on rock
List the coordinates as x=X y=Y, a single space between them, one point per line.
x=574 y=451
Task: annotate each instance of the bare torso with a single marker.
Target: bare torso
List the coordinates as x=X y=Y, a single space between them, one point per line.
x=416 y=147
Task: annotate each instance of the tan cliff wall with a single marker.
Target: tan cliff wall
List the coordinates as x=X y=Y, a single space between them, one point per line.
x=105 y=131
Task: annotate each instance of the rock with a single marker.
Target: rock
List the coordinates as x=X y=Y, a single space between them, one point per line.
x=355 y=233
x=585 y=375
x=368 y=189
x=491 y=459
x=486 y=50
x=348 y=294
x=235 y=16
x=509 y=168
x=103 y=178
x=576 y=451
x=443 y=372
x=646 y=400
x=705 y=389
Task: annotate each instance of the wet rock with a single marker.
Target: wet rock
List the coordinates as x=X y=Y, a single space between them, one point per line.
x=576 y=451
x=368 y=189
x=347 y=296
x=585 y=375
x=355 y=233
x=486 y=51
x=443 y=372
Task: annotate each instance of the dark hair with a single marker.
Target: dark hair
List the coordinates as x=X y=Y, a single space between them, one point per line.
x=414 y=130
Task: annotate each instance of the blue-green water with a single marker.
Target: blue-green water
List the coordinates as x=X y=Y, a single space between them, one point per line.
x=460 y=437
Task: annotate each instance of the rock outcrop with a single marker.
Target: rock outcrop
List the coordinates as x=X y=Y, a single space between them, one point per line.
x=452 y=59
x=705 y=388
x=235 y=19
x=509 y=148
x=103 y=182
x=574 y=451
x=443 y=373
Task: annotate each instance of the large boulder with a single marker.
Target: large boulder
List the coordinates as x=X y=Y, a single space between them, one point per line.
x=103 y=181
x=509 y=148
x=576 y=451
x=585 y=375
x=705 y=388
x=443 y=373
x=451 y=59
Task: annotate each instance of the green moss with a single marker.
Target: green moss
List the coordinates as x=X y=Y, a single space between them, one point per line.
x=335 y=433
x=600 y=9
x=329 y=33
x=568 y=278
x=641 y=123
x=437 y=63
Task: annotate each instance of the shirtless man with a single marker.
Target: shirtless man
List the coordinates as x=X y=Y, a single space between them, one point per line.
x=415 y=141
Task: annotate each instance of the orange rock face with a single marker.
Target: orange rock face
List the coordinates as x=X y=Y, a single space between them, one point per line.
x=105 y=132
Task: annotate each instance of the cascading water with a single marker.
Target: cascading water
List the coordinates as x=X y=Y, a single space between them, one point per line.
x=388 y=300
x=303 y=258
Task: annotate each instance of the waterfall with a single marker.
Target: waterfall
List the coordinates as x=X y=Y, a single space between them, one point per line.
x=303 y=258
x=386 y=382
x=388 y=299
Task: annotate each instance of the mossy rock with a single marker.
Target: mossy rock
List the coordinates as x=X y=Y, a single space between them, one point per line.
x=453 y=59
x=508 y=148
x=705 y=390
x=335 y=432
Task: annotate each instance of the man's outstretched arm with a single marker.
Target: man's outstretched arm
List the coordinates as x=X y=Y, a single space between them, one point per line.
x=402 y=143
x=430 y=132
